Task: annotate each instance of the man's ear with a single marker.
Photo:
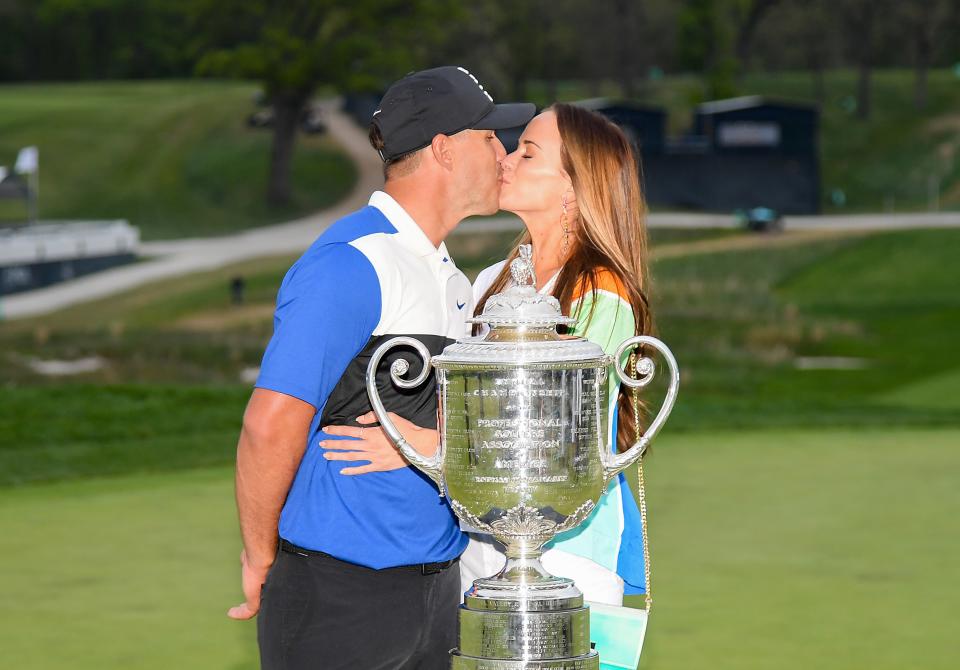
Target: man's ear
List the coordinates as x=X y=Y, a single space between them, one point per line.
x=442 y=150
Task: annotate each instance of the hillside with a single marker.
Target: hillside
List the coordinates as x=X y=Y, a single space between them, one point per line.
x=175 y=158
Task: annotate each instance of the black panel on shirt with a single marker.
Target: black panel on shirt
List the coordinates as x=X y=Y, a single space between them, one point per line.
x=348 y=400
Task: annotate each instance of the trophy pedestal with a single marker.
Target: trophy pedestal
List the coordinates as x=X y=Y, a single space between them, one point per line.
x=524 y=619
x=589 y=662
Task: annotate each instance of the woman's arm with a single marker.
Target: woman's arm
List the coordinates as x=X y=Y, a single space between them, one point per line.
x=369 y=443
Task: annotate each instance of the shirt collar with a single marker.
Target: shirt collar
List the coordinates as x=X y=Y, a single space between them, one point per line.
x=408 y=232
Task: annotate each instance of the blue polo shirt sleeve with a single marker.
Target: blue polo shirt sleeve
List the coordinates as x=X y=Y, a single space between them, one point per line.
x=327 y=308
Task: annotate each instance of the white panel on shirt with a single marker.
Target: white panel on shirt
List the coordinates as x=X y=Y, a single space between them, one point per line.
x=419 y=294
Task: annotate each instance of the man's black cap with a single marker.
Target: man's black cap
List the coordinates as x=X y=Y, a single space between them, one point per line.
x=442 y=100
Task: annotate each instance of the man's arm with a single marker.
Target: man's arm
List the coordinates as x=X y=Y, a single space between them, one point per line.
x=272 y=442
x=327 y=308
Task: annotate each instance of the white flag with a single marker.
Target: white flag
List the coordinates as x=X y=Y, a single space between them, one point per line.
x=28 y=160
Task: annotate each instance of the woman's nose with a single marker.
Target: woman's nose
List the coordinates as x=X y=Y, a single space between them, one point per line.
x=509 y=161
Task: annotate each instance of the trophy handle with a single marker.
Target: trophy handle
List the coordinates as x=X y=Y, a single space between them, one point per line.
x=613 y=464
x=429 y=466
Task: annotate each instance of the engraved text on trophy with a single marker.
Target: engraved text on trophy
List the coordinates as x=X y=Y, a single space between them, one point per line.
x=519 y=435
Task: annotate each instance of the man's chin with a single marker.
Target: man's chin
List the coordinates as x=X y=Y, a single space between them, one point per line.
x=487 y=210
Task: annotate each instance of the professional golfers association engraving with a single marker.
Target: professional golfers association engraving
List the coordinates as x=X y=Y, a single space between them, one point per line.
x=523 y=456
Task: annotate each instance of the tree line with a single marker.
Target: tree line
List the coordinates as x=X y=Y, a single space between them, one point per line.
x=517 y=40
x=293 y=47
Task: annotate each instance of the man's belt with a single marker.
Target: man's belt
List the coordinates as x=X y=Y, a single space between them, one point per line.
x=422 y=568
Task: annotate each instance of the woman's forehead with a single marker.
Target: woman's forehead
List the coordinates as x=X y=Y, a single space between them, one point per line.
x=542 y=130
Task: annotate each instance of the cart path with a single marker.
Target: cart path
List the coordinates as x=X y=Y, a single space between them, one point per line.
x=787 y=238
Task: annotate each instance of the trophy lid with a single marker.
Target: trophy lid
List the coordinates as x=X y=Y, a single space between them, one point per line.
x=522 y=305
x=523 y=327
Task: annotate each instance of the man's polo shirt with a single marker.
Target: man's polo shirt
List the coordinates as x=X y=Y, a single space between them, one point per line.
x=371 y=276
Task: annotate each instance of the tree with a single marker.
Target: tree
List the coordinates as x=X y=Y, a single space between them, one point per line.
x=514 y=25
x=923 y=20
x=294 y=46
x=861 y=21
x=92 y=39
x=804 y=35
x=628 y=14
x=703 y=39
x=748 y=15
x=814 y=28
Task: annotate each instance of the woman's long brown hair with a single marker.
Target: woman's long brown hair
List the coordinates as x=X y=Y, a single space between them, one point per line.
x=611 y=233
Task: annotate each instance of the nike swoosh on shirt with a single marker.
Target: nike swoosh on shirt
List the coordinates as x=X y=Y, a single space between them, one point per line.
x=460 y=305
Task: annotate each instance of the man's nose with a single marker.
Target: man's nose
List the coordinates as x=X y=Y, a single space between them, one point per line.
x=499 y=148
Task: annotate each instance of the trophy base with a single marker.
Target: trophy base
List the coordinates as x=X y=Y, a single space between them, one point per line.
x=525 y=634
x=589 y=661
x=523 y=618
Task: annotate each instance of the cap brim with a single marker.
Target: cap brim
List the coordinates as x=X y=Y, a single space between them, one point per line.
x=505 y=116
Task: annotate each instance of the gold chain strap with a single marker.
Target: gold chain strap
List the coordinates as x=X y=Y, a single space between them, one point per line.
x=641 y=490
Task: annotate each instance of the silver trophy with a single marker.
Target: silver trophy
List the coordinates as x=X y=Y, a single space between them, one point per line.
x=523 y=456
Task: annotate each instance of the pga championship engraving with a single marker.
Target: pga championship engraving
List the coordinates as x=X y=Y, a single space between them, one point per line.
x=523 y=456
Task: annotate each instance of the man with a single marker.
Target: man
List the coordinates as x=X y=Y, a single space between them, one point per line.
x=361 y=572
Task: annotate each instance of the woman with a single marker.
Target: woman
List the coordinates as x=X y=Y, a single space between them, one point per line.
x=574 y=182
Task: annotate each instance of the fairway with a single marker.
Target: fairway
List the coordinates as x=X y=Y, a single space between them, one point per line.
x=788 y=549
x=132 y=572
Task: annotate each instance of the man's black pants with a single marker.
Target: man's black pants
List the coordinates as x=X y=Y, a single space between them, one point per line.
x=321 y=613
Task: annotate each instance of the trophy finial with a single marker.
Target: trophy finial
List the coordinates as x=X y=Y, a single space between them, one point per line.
x=521 y=304
x=521 y=268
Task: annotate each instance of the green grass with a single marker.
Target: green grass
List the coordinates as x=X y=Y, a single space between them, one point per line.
x=892 y=271
x=71 y=431
x=938 y=391
x=880 y=164
x=146 y=336
x=132 y=572
x=739 y=320
x=787 y=549
x=797 y=549
x=174 y=158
